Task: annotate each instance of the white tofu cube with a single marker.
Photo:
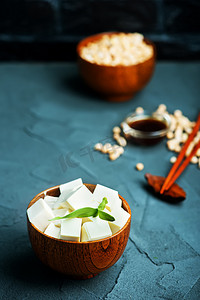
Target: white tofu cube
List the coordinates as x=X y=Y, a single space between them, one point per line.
x=39 y=214
x=69 y=186
x=96 y=230
x=61 y=203
x=50 y=200
x=121 y=217
x=66 y=191
x=59 y=213
x=71 y=229
x=81 y=198
x=112 y=196
x=52 y=231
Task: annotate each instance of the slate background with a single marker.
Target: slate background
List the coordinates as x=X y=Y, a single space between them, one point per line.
x=50 y=29
x=47 y=116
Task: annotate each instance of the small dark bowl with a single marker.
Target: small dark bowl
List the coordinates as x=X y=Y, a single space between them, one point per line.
x=78 y=260
x=149 y=136
x=115 y=83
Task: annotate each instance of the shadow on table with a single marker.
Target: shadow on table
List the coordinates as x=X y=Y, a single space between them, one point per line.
x=27 y=268
x=76 y=85
x=19 y=263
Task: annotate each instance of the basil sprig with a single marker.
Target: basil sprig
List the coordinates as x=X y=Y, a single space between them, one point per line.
x=89 y=212
x=102 y=205
x=104 y=216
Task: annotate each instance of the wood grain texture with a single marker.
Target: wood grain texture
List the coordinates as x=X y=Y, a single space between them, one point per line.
x=115 y=83
x=173 y=195
x=78 y=260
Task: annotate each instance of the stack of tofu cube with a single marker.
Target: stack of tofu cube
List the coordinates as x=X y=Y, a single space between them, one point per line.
x=75 y=195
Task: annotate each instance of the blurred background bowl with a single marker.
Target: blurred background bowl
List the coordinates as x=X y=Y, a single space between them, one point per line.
x=115 y=83
x=79 y=260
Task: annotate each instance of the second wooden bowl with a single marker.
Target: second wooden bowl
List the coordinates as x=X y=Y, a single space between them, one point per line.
x=115 y=83
x=79 y=260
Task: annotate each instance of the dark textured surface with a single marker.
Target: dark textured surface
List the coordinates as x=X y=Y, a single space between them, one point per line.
x=50 y=29
x=49 y=124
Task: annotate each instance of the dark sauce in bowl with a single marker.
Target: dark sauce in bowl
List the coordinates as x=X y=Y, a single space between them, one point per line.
x=148 y=125
x=146 y=128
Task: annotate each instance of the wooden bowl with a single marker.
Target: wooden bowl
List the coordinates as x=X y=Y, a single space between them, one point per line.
x=115 y=83
x=79 y=260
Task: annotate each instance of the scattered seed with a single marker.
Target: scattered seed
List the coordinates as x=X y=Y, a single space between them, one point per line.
x=184 y=121
x=178 y=133
x=106 y=148
x=116 y=136
x=196 y=139
x=177 y=113
x=198 y=152
x=117 y=130
x=189 y=149
x=98 y=147
x=114 y=155
x=188 y=129
x=194 y=160
x=139 y=110
x=161 y=108
x=115 y=147
x=184 y=137
x=177 y=148
x=171 y=144
x=139 y=166
x=110 y=150
x=170 y=135
x=173 y=159
x=121 y=141
x=121 y=150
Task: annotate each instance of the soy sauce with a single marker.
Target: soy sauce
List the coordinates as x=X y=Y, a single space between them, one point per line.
x=148 y=131
x=148 y=125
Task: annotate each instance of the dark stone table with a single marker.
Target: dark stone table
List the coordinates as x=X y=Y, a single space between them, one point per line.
x=49 y=124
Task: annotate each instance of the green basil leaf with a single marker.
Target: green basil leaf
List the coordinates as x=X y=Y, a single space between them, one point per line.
x=96 y=214
x=80 y=213
x=102 y=205
x=104 y=216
